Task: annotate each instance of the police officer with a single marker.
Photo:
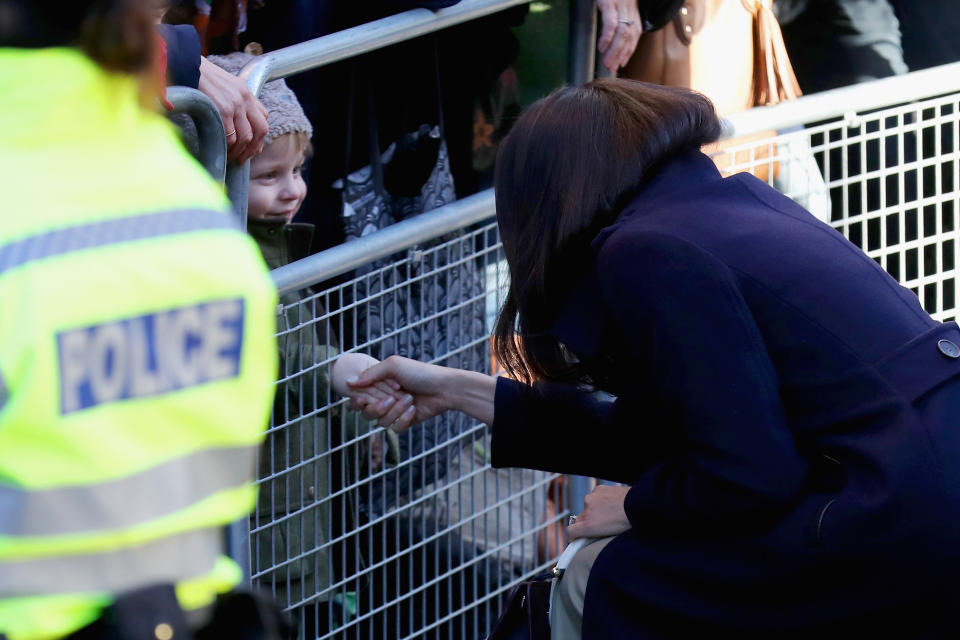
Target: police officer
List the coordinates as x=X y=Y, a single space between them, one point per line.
x=136 y=357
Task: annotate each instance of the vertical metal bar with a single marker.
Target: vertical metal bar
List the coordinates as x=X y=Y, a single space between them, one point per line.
x=921 y=209
x=845 y=175
x=863 y=182
x=238 y=546
x=882 y=153
x=955 y=110
x=583 y=41
x=238 y=182
x=901 y=195
x=212 y=144
x=938 y=207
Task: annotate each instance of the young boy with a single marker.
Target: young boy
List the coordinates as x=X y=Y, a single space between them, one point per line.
x=292 y=523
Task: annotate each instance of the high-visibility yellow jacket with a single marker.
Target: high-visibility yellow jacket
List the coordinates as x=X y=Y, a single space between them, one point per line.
x=136 y=353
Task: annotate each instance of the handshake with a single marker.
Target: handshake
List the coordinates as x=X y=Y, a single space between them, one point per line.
x=373 y=390
x=400 y=392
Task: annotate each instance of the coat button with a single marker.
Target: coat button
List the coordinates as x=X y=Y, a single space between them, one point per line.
x=949 y=348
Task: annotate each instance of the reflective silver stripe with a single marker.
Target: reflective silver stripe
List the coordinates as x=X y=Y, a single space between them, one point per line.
x=106 y=232
x=153 y=493
x=171 y=559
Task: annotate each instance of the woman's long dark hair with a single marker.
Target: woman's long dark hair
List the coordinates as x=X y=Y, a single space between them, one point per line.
x=567 y=168
x=116 y=34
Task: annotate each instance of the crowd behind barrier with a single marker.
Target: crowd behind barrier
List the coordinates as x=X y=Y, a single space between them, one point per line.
x=427 y=545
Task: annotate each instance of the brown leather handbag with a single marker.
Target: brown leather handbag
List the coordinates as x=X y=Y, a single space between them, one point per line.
x=732 y=51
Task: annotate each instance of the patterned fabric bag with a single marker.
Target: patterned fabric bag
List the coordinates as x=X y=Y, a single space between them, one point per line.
x=424 y=307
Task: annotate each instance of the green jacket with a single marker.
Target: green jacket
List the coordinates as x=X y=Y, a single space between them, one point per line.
x=292 y=523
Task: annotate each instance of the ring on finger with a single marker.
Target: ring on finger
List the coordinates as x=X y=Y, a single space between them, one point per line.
x=408 y=411
x=232 y=133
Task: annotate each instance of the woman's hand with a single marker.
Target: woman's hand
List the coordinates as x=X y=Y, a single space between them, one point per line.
x=244 y=118
x=422 y=385
x=621 y=29
x=603 y=514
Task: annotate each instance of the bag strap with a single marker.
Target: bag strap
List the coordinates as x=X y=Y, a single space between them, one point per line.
x=373 y=136
x=439 y=85
x=690 y=19
x=351 y=104
x=567 y=556
x=373 y=140
x=558 y=569
x=432 y=49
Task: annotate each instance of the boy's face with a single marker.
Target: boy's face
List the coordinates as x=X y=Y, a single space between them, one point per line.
x=276 y=187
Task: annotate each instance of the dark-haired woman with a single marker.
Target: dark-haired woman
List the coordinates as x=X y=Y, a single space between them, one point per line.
x=786 y=416
x=136 y=357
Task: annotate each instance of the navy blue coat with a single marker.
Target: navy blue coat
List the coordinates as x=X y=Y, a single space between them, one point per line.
x=183 y=54
x=787 y=415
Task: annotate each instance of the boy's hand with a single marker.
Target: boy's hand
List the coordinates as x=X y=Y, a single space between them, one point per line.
x=384 y=394
x=351 y=365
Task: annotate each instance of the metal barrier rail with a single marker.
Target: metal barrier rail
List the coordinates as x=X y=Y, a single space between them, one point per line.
x=364 y=544
x=212 y=144
x=364 y=38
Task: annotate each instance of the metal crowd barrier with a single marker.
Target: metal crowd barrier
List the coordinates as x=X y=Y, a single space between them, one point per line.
x=427 y=545
x=420 y=545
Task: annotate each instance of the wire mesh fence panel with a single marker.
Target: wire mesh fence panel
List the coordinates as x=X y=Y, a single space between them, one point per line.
x=889 y=180
x=364 y=534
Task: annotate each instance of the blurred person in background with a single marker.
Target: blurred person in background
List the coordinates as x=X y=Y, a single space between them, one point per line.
x=136 y=354
x=835 y=43
x=929 y=30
